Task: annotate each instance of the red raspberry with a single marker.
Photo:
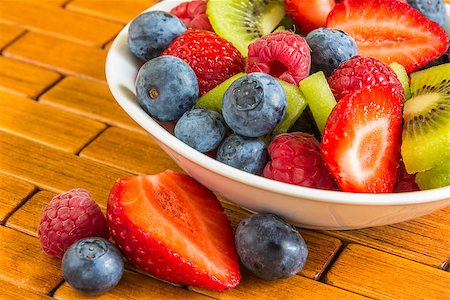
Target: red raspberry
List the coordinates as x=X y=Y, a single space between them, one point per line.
x=362 y=71
x=212 y=58
x=296 y=159
x=405 y=182
x=69 y=217
x=282 y=54
x=193 y=14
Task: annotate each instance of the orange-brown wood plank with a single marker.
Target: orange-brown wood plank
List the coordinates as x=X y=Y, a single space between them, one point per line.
x=425 y=240
x=12 y=193
x=321 y=248
x=59 y=22
x=9 y=291
x=380 y=275
x=57 y=3
x=46 y=124
x=128 y=150
x=295 y=287
x=133 y=286
x=24 y=79
x=90 y=99
x=27 y=218
x=8 y=33
x=55 y=170
x=60 y=55
x=122 y=11
x=24 y=264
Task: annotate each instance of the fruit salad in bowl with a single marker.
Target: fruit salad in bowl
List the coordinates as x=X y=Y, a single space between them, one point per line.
x=337 y=120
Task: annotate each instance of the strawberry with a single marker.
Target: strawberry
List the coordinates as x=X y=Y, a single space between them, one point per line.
x=308 y=15
x=174 y=228
x=390 y=31
x=212 y=58
x=362 y=137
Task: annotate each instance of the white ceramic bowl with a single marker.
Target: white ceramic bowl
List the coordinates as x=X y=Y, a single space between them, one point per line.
x=305 y=207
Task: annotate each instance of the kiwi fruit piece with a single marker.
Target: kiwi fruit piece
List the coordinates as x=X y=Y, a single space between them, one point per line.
x=243 y=21
x=402 y=75
x=426 y=125
x=437 y=177
x=296 y=102
x=319 y=97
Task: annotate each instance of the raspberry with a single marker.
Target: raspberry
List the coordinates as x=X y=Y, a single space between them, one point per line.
x=362 y=71
x=282 y=54
x=296 y=159
x=212 y=58
x=67 y=218
x=405 y=182
x=193 y=14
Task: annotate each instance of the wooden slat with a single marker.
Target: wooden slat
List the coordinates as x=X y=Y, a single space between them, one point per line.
x=12 y=193
x=133 y=286
x=8 y=33
x=425 y=240
x=24 y=79
x=122 y=11
x=59 y=129
x=59 y=22
x=57 y=3
x=295 y=287
x=9 y=291
x=380 y=275
x=55 y=170
x=60 y=55
x=321 y=248
x=27 y=218
x=128 y=150
x=90 y=99
x=23 y=263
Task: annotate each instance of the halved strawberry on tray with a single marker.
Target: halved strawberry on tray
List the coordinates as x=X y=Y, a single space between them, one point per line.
x=175 y=229
x=390 y=31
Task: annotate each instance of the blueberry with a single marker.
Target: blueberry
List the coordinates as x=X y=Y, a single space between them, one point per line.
x=166 y=87
x=152 y=32
x=269 y=247
x=92 y=265
x=432 y=9
x=244 y=153
x=329 y=48
x=254 y=104
x=201 y=128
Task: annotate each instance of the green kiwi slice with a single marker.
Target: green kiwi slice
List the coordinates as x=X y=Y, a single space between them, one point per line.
x=243 y=21
x=296 y=102
x=437 y=177
x=403 y=77
x=426 y=126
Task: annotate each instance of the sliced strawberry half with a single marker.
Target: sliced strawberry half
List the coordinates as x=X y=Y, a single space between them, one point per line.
x=361 y=141
x=174 y=228
x=390 y=31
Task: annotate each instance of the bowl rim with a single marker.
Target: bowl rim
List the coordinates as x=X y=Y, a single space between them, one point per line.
x=259 y=182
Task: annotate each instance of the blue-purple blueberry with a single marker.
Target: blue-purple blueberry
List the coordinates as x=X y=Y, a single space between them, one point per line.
x=432 y=9
x=254 y=104
x=329 y=48
x=92 y=265
x=269 y=247
x=152 y=32
x=201 y=128
x=166 y=87
x=244 y=153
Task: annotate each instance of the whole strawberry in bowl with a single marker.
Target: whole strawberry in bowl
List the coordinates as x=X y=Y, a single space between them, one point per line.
x=362 y=137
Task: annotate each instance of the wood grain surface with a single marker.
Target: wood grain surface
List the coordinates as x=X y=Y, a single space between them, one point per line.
x=60 y=128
